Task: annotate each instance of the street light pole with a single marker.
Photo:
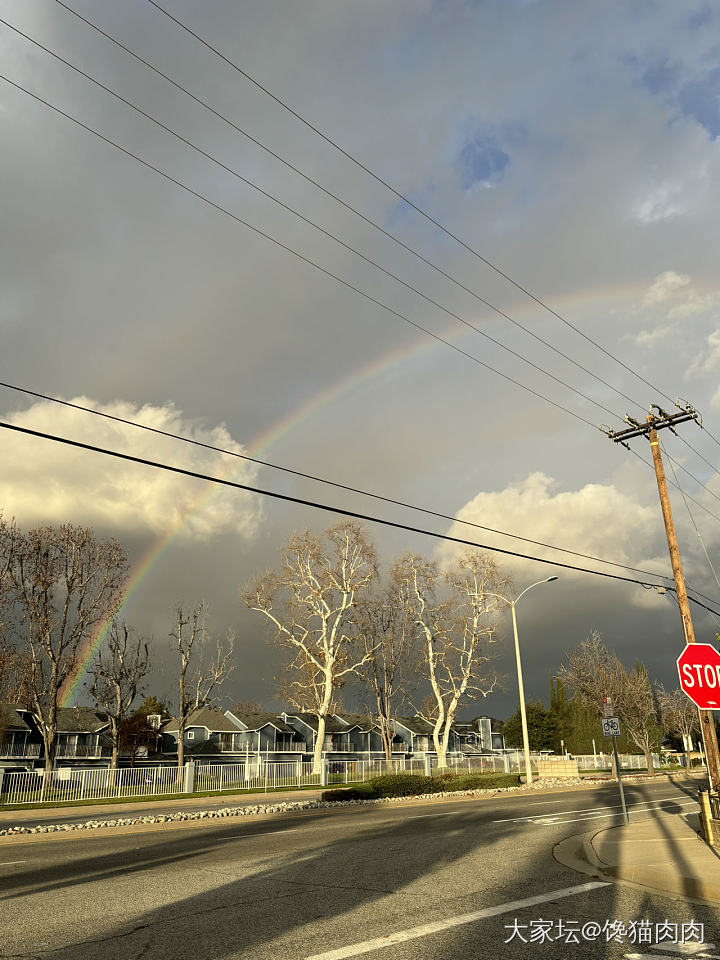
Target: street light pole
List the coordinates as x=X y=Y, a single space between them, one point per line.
x=521 y=693
x=521 y=688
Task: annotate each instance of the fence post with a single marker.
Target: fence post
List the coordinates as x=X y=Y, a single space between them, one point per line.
x=82 y=784
x=299 y=771
x=189 y=785
x=324 y=773
x=506 y=760
x=428 y=768
x=2 y=774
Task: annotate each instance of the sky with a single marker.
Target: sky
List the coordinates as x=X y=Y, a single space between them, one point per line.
x=572 y=146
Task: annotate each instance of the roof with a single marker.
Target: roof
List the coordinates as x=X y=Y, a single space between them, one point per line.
x=256 y=720
x=416 y=724
x=209 y=717
x=361 y=720
x=10 y=718
x=332 y=724
x=80 y=720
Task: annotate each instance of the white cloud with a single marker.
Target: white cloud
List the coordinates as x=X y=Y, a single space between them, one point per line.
x=709 y=358
x=598 y=519
x=670 y=298
x=664 y=286
x=660 y=203
x=43 y=481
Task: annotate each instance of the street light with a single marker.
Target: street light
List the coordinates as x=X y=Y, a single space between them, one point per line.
x=521 y=689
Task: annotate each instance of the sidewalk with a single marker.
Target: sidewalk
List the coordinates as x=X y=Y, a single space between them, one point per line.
x=663 y=853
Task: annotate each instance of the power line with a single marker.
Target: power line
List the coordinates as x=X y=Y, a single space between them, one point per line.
x=353 y=514
x=316 y=479
x=340 y=200
x=295 y=253
x=312 y=223
x=696 y=502
x=405 y=199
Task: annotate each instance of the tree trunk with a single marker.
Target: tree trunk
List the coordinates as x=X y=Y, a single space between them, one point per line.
x=387 y=734
x=319 y=744
x=649 y=759
x=441 y=746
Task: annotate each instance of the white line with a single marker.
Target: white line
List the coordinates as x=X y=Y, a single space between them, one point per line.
x=10 y=863
x=606 y=806
x=265 y=833
x=599 y=816
x=355 y=949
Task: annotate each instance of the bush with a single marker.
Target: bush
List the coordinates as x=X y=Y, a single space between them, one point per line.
x=482 y=781
x=406 y=784
x=361 y=792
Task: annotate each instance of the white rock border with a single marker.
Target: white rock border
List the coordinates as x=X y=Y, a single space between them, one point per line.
x=284 y=807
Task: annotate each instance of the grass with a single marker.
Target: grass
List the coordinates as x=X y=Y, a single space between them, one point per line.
x=106 y=801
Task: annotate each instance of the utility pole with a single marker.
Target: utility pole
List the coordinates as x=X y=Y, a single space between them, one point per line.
x=654 y=422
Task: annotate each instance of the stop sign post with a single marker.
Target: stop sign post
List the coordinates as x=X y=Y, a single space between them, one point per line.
x=699 y=671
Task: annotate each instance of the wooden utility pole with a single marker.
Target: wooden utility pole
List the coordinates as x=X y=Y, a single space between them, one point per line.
x=650 y=428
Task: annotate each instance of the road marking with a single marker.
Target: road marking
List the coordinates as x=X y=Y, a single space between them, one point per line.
x=607 y=806
x=413 y=933
x=599 y=816
x=264 y=833
x=11 y=863
x=421 y=816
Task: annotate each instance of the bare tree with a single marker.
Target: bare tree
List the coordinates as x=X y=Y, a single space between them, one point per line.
x=679 y=716
x=311 y=602
x=67 y=582
x=117 y=675
x=593 y=672
x=391 y=668
x=14 y=655
x=208 y=661
x=455 y=632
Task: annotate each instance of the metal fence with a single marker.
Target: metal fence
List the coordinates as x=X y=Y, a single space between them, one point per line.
x=254 y=773
x=98 y=783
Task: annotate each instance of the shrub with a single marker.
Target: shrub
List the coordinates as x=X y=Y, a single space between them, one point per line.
x=406 y=784
x=482 y=781
x=362 y=792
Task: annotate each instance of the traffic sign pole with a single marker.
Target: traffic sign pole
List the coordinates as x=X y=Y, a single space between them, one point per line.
x=622 y=792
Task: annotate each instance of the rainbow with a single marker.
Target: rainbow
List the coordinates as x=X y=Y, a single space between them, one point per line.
x=376 y=368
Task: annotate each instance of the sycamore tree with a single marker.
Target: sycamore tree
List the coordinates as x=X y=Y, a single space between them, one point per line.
x=66 y=583
x=311 y=601
x=203 y=664
x=390 y=672
x=455 y=620
x=117 y=675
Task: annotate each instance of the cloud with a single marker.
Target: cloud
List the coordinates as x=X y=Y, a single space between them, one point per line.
x=709 y=358
x=670 y=297
x=661 y=202
x=43 y=481
x=598 y=520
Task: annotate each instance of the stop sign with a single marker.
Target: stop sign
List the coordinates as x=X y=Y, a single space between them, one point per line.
x=699 y=670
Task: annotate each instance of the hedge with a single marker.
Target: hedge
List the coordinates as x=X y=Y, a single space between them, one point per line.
x=413 y=785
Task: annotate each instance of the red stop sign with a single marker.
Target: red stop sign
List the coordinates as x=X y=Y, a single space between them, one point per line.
x=699 y=670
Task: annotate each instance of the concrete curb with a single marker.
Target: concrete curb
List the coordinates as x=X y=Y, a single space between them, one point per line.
x=579 y=853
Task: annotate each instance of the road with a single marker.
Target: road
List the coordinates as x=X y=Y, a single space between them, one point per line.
x=444 y=880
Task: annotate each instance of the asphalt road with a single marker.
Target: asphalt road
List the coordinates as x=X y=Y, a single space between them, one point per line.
x=436 y=880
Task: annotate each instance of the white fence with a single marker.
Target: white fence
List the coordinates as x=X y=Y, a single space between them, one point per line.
x=256 y=773
x=98 y=783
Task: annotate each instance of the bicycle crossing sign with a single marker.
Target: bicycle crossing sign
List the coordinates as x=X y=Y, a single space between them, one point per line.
x=610 y=727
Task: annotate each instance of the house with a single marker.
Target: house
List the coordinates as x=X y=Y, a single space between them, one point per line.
x=208 y=733
x=20 y=743
x=338 y=739
x=268 y=733
x=82 y=735
x=483 y=733
x=417 y=734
